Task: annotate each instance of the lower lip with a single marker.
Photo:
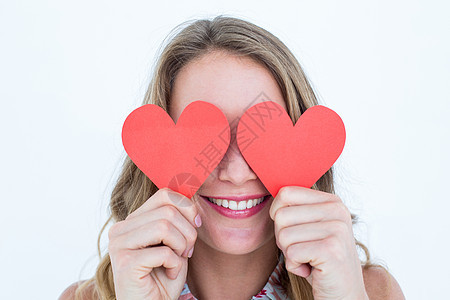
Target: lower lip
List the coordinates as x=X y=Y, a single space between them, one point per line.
x=238 y=214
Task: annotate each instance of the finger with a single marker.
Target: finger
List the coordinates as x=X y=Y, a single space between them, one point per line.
x=167 y=196
x=296 y=195
x=141 y=261
x=316 y=253
x=151 y=234
x=311 y=232
x=311 y=213
x=168 y=213
x=304 y=270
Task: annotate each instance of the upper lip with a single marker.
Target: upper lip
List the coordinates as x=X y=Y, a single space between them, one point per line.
x=238 y=198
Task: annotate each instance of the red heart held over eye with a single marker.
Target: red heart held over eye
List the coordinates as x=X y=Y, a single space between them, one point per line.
x=282 y=154
x=179 y=156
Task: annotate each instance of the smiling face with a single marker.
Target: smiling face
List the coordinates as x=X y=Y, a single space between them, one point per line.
x=233 y=84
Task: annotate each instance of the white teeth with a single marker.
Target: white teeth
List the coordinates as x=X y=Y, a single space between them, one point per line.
x=232 y=205
x=249 y=204
x=239 y=205
x=242 y=205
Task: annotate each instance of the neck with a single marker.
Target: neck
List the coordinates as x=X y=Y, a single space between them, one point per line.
x=217 y=275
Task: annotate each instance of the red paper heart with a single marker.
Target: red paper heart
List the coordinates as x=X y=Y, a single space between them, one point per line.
x=179 y=156
x=282 y=154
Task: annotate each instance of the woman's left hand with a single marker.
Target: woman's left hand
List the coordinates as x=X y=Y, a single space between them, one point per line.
x=316 y=227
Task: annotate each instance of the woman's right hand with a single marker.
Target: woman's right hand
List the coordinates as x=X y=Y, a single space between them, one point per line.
x=149 y=249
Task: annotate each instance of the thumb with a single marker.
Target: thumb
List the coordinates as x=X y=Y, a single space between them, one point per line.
x=305 y=271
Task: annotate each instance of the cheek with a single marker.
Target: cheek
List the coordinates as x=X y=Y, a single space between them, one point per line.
x=212 y=178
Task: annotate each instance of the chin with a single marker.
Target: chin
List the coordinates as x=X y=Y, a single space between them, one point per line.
x=237 y=241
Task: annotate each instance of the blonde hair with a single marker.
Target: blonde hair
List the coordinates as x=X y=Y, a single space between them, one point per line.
x=199 y=37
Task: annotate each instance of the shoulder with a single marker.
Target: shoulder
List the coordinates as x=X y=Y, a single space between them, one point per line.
x=381 y=285
x=69 y=292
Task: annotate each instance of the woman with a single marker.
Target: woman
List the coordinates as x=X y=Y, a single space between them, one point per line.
x=298 y=245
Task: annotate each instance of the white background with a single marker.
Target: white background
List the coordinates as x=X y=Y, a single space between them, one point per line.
x=71 y=72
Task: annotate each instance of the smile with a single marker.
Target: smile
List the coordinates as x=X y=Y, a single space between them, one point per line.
x=235 y=207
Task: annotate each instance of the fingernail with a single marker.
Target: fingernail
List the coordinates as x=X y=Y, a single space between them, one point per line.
x=198 y=221
x=190 y=252
x=303 y=270
x=185 y=253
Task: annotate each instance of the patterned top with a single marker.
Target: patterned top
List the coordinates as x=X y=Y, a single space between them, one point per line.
x=273 y=290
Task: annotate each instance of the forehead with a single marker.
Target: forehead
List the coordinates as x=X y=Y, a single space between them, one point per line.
x=231 y=83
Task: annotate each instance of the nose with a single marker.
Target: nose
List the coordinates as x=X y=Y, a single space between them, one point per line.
x=234 y=168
